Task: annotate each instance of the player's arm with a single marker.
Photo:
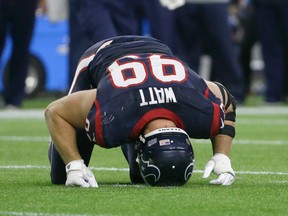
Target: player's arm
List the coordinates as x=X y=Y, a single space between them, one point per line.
x=63 y=116
x=221 y=143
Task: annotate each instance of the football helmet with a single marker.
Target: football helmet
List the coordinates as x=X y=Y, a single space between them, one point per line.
x=165 y=157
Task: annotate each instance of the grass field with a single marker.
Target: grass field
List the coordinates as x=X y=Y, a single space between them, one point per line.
x=259 y=157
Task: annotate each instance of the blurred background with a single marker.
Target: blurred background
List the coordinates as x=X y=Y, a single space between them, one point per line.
x=221 y=40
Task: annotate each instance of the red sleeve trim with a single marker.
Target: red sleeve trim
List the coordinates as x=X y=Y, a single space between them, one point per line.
x=98 y=126
x=215 y=126
x=206 y=93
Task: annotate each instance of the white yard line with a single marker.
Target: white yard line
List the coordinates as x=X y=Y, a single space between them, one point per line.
x=198 y=141
x=22 y=114
x=24 y=138
x=39 y=113
x=246 y=142
x=264 y=121
x=263 y=110
x=114 y=169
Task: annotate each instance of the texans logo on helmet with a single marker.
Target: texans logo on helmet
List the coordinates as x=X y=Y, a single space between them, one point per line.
x=150 y=171
x=188 y=171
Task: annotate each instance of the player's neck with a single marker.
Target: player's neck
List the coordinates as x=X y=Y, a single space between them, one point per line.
x=158 y=123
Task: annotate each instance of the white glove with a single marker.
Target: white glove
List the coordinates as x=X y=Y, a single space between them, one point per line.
x=220 y=164
x=172 y=4
x=79 y=175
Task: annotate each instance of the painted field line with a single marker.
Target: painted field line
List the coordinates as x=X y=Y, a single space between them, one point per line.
x=247 y=142
x=22 y=114
x=39 y=113
x=280 y=182
x=25 y=138
x=263 y=122
x=114 y=169
x=263 y=110
x=236 y=141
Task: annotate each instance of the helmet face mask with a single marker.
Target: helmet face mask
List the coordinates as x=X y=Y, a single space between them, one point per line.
x=166 y=157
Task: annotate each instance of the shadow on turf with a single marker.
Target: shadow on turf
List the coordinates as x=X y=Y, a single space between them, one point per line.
x=192 y=183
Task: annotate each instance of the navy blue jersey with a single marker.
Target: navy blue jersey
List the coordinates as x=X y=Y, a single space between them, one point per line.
x=94 y=62
x=138 y=79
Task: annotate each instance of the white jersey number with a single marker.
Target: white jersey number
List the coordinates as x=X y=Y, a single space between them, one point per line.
x=138 y=71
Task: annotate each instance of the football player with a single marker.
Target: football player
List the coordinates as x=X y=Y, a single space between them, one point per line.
x=131 y=91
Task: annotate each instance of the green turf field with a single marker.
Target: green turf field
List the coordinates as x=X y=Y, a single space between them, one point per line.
x=259 y=157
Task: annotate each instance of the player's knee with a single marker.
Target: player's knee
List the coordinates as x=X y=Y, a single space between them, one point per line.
x=49 y=112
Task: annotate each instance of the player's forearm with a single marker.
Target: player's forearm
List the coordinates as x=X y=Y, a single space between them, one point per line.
x=63 y=136
x=222 y=144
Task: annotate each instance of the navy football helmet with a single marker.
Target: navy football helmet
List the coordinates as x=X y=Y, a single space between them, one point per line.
x=165 y=157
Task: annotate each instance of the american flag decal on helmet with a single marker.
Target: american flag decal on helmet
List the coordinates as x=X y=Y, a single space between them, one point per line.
x=164 y=142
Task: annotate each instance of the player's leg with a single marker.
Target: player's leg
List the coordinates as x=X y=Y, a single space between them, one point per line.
x=85 y=148
x=225 y=66
x=190 y=46
x=57 y=173
x=22 y=25
x=130 y=154
x=79 y=41
x=269 y=30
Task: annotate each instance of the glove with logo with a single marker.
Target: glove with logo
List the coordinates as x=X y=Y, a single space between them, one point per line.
x=220 y=164
x=79 y=175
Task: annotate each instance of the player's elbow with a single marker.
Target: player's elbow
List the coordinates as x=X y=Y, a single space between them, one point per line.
x=50 y=112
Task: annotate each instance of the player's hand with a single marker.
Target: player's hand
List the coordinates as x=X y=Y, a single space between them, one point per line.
x=79 y=175
x=220 y=164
